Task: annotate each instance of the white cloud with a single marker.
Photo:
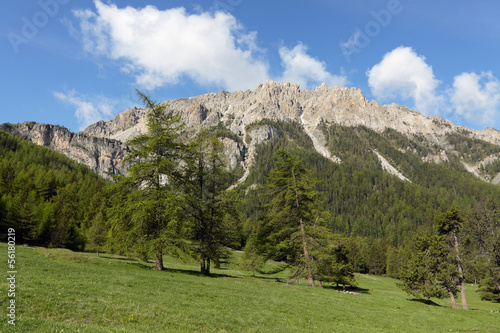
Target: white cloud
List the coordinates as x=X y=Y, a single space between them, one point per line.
x=402 y=73
x=305 y=70
x=85 y=111
x=476 y=97
x=158 y=47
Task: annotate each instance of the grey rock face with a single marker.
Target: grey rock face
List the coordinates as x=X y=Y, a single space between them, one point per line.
x=274 y=101
x=103 y=156
x=286 y=102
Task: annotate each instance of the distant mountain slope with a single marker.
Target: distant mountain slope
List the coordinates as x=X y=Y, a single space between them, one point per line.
x=359 y=197
x=383 y=171
x=102 y=156
x=44 y=195
x=316 y=111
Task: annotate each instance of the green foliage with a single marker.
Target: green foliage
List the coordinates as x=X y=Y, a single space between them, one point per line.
x=491 y=169
x=222 y=131
x=489 y=289
x=210 y=208
x=148 y=218
x=44 y=195
x=482 y=241
x=251 y=260
x=449 y=222
x=289 y=222
x=332 y=262
x=429 y=273
x=397 y=261
x=473 y=150
x=358 y=198
x=293 y=229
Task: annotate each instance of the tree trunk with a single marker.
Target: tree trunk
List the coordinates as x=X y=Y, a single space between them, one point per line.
x=310 y=278
x=202 y=265
x=452 y=297
x=217 y=263
x=159 y=263
x=460 y=273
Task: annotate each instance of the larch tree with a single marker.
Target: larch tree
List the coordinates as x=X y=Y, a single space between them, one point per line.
x=251 y=259
x=152 y=209
x=331 y=262
x=289 y=224
x=207 y=203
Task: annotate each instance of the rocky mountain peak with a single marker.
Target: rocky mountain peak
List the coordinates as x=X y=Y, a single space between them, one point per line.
x=285 y=102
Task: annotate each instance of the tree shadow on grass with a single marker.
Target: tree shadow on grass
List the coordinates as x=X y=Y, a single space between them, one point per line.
x=351 y=289
x=185 y=271
x=424 y=301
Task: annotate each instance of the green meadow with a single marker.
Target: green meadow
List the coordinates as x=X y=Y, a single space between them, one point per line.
x=62 y=291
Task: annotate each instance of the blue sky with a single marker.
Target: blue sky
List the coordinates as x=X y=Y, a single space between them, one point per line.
x=73 y=62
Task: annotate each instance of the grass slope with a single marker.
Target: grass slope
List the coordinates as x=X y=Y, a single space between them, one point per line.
x=62 y=291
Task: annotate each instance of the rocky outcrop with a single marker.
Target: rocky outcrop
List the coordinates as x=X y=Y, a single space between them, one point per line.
x=274 y=101
x=389 y=168
x=103 y=156
x=286 y=102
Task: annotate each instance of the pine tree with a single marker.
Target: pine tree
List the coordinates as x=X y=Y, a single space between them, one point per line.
x=482 y=230
x=449 y=225
x=429 y=273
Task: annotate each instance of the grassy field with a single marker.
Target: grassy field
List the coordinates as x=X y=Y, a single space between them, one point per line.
x=62 y=291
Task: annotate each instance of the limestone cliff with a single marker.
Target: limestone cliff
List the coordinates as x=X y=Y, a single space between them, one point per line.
x=286 y=102
x=101 y=145
x=103 y=156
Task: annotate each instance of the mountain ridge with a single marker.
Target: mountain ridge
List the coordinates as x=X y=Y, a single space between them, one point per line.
x=314 y=110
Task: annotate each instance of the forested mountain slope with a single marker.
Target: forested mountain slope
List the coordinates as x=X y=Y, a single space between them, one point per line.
x=44 y=195
x=362 y=199
x=383 y=171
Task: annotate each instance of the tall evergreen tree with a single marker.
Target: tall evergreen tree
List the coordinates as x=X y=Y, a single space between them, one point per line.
x=482 y=230
x=154 y=159
x=449 y=225
x=290 y=218
x=206 y=200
